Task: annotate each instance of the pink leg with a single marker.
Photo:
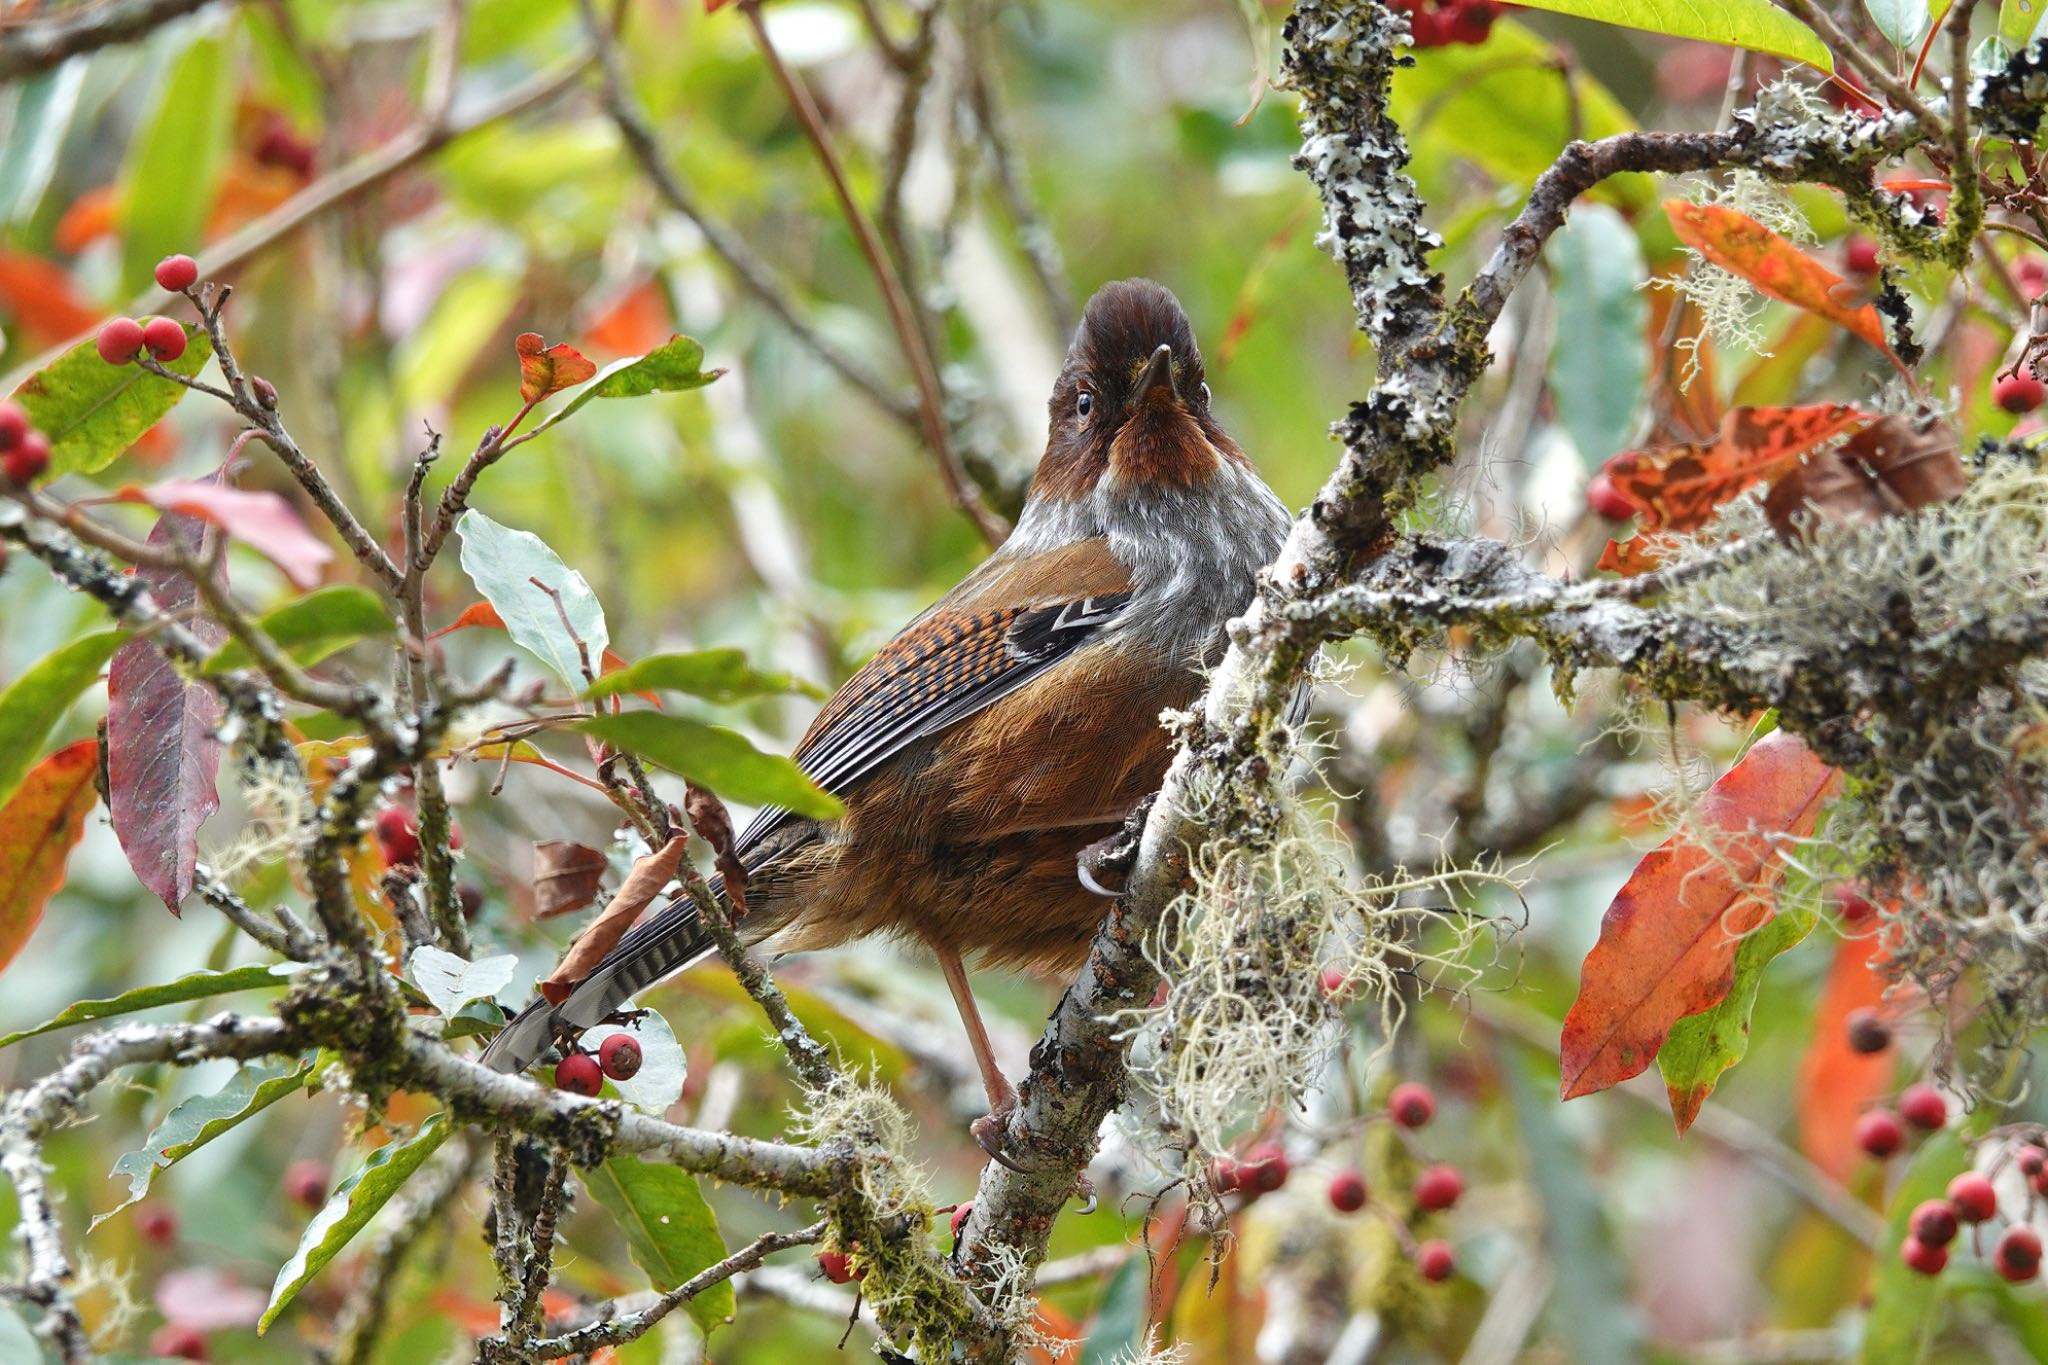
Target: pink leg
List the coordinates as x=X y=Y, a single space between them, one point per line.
x=1002 y=1096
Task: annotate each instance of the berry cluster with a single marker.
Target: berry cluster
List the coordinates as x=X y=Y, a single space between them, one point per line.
x=1880 y=1132
x=24 y=451
x=1264 y=1168
x=1973 y=1200
x=618 y=1057
x=1440 y=23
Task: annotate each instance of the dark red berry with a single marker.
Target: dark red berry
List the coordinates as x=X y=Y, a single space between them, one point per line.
x=1878 y=1133
x=1934 y=1222
x=1437 y=1188
x=1336 y=983
x=579 y=1074
x=177 y=273
x=472 y=899
x=1606 y=500
x=1429 y=30
x=1860 y=256
x=29 y=458
x=398 y=838
x=1265 y=1167
x=1972 y=1197
x=838 y=1267
x=619 y=1055
x=1436 y=1261
x=306 y=1182
x=1922 y=1257
x=178 y=1341
x=119 y=340
x=1471 y=22
x=1347 y=1191
x=2038 y=1183
x=1868 y=1032
x=14 y=424
x=2018 y=393
x=960 y=1216
x=2032 y=1159
x=1923 y=1107
x=265 y=391
x=156 y=1225
x=1225 y=1175
x=165 y=339
x=1411 y=1104
x=1852 y=907
x=2018 y=1254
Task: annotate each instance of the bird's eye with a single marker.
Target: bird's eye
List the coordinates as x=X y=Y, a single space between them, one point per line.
x=1084 y=403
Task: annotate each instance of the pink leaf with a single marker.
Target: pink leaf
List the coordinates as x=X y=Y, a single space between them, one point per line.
x=163 y=754
x=205 y=1298
x=264 y=522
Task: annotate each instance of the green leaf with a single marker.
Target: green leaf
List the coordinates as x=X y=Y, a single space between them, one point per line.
x=432 y=362
x=1700 y=1047
x=1902 y=22
x=1903 y=1302
x=17 y=1342
x=92 y=411
x=196 y=986
x=477 y=1019
x=1757 y=25
x=1597 y=356
x=714 y=674
x=175 y=162
x=715 y=757
x=504 y=564
x=199 y=1120
x=675 y=365
x=671 y=1230
x=40 y=697
x=349 y=1210
x=2018 y=21
x=43 y=107
x=1118 y=1330
x=312 y=627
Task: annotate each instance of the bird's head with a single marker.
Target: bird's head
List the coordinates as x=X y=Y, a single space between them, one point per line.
x=1131 y=408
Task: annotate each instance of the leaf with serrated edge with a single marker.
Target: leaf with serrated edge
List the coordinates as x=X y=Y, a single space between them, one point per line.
x=670 y=1229
x=452 y=982
x=40 y=697
x=349 y=1210
x=199 y=1120
x=312 y=627
x=718 y=758
x=193 y=986
x=503 y=563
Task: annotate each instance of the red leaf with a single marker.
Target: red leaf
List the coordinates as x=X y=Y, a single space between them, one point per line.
x=263 y=521
x=545 y=369
x=163 y=755
x=39 y=826
x=1668 y=942
x=633 y=323
x=1735 y=241
x=1837 y=1083
x=39 y=295
x=484 y=614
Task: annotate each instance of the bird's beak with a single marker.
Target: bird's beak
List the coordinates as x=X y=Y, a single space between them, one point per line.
x=1155 y=381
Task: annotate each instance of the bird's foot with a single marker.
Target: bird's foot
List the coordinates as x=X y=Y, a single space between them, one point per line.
x=1084 y=1190
x=989 y=1131
x=1105 y=865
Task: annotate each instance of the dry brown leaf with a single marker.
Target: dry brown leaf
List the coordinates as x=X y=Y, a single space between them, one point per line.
x=565 y=877
x=714 y=826
x=602 y=934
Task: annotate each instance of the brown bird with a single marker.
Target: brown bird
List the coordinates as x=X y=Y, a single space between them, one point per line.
x=1017 y=720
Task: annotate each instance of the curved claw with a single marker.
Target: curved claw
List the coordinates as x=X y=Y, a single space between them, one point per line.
x=989 y=1132
x=1084 y=1190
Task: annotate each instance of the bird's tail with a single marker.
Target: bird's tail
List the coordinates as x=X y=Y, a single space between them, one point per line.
x=668 y=942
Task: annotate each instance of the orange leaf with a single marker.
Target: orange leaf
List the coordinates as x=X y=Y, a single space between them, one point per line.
x=39 y=295
x=1668 y=942
x=634 y=322
x=1837 y=1083
x=1739 y=243
x=484 y=614
x=90 y=217
x=39 y=825
x=545 y=369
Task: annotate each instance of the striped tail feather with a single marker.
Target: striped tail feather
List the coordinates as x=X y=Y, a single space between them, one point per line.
x=667 y=943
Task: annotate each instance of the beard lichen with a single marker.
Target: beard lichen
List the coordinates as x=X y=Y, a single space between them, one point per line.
x=1730 y=308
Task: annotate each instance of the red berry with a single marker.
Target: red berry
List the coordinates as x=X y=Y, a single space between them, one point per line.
x=1879 y=1134
x=1868 y=1032
x=619 y=1055
x=1923 y=1107
x=2018 y=1254
x=1972 y=1197
x=165 y=339
x=1265 y=1167
x=2031 y=275
x=1347 y=1191
x=1934 y=1223
x=13 y=424
x=178 y=1341
x=30 y=457
x=2032 y=1159
x=2018 y=393
x=156 y=1225
x=398 y=838
x=1852 y=907
x=119 y=340
x=1471 y=21
x=838 y=1267
x=1922 y=1257
x=1437 y=1188
x=1436 y=1261
x=1860 y=256
x=177 y=273
x=579 y=1074
x=1411 y=1104
x=1606 y=500
x=1336 y=983
x=2038 y=1183
x=306 y=1182
x=960 y=1216
x=1225 y=1175
x=1429 y=30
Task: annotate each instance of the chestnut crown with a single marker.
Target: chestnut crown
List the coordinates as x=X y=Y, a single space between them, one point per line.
x=1131 y=402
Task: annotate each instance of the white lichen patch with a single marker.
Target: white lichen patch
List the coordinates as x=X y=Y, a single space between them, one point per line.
x=280 y=814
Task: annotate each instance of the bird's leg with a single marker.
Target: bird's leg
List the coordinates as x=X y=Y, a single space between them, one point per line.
x=1002 y=1096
